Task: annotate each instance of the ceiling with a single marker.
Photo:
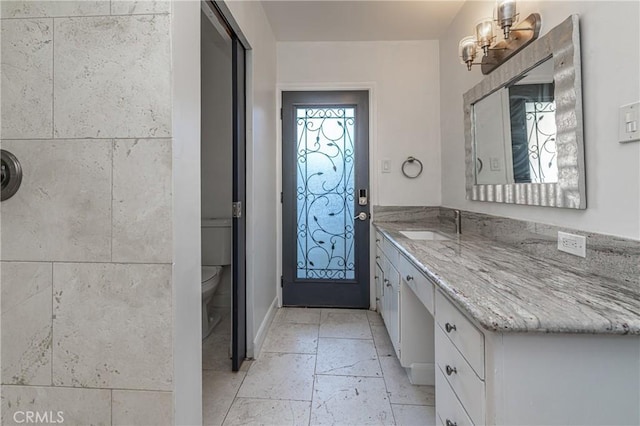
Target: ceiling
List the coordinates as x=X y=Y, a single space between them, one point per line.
x=363 y=20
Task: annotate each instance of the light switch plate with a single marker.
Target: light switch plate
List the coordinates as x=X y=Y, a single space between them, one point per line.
x=385 y=166
x=629 y=123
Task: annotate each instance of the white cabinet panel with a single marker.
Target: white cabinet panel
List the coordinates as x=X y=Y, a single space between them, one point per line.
x=464 y=335
x=448 y=409
x=421 y=286
x=392 y=306
x=468 y=387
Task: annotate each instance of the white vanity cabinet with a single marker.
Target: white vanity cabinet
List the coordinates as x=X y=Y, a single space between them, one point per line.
x=460 y=367
x=502 y=378
x=494 y=378
x=388 y=296
x=404 y=297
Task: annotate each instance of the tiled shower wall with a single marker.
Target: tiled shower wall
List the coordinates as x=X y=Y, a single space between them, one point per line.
x=86 y=242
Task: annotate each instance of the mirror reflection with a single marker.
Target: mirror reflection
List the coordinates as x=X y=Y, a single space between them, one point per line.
x=514 y=131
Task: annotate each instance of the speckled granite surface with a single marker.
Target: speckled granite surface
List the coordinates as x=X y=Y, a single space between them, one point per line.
x=509 y=290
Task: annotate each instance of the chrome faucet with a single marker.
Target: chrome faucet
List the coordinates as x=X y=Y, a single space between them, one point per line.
x=458 y=219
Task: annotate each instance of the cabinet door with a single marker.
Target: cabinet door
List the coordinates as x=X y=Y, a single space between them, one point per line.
x=392 y=300
x=379 y=277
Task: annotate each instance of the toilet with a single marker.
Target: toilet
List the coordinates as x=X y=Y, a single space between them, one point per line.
x=216 y=256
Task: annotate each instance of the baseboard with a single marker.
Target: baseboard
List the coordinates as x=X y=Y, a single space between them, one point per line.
x=422 y=374
x=264 y=328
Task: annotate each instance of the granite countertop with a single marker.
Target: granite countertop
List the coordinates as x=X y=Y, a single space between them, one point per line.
x=508 y=290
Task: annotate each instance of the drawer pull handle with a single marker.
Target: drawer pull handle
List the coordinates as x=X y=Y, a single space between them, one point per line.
x=449 y=327
x=450 y=423
x=377 y=240
x=377 y=257
x=387 y=282
x=451 y=370
x=409 y=278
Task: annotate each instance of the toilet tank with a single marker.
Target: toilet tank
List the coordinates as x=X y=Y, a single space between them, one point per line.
x=216 y=242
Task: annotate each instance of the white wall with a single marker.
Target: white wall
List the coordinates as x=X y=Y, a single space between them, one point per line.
x=187 y=290
x=610 y=39
x=217 y=127
x=404 y=76
x=262 y=196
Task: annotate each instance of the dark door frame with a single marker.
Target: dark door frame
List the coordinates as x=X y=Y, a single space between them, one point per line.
x=239 y=281
x=330 y=294
x=239 y=190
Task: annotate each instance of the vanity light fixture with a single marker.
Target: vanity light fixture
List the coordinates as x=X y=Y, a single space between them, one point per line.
x=516 y=36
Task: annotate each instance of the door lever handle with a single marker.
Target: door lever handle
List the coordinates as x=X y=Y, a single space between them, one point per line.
x=362 y=216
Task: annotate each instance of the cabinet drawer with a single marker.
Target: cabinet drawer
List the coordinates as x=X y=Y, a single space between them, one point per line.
x=464 y=335
x=449 y=410
x=421 y=286
x=463 y=380
x=390 y=251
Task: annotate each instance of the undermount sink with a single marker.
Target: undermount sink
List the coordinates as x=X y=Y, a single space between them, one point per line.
x=425 y=235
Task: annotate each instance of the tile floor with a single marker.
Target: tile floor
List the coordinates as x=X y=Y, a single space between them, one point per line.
x=317 y=367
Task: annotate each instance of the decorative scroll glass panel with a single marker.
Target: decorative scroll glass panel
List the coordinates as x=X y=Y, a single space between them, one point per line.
x=543 y=166
x=325 y=193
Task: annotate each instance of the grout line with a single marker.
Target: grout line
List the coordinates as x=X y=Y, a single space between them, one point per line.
x=96 y=262
x=88 y=138
x=111 y=409
x=53 y=78
x=122 y=15
x=315 y=369
x=386 y=388
x=113 y=145
x=88 y=387
x=52 y=317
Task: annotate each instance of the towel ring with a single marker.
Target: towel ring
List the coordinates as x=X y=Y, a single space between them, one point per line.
x=411 y=160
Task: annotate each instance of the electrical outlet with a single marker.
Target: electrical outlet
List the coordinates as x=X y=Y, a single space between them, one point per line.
x=572 y=244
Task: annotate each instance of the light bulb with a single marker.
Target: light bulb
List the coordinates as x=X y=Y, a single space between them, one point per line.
x=484 y=34
x=467 y=50
x=506 y=15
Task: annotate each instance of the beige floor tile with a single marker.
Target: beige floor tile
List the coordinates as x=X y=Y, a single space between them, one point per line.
x=298 y=315
x=219 y=389
x=381 y=338
x=339 y=400
x=401 y=391
x=247 y=411
x=224 y=326
x=326 y=312
x=414 y=415
x=215 y=352
x=280 y=376
x=348 y=325
x=347 y=357
x=374 y=318
x=292 y=338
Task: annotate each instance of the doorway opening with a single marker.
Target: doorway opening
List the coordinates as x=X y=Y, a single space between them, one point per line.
x=325 y=199
x=222 y=192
